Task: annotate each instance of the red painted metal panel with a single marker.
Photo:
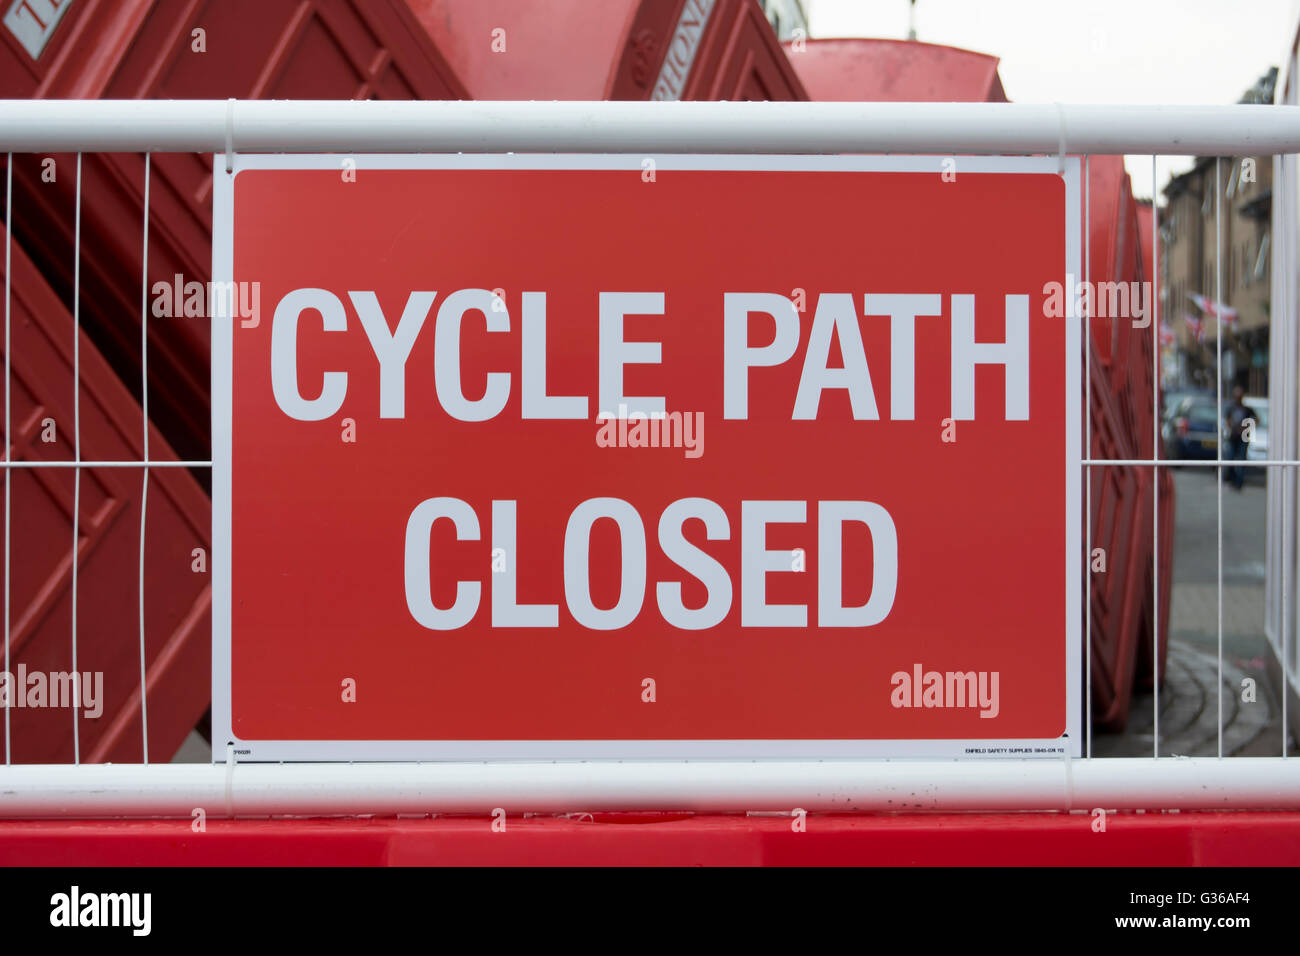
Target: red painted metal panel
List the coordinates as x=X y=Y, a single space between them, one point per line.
x=144 y=49
x=895 y=71
x=1145 y=670
x=1106 y=186
x=1122 y=427
x=576 y=50
x=1145 y=382
x=177 y=598
x=965 y=839
x=1131 y=372
x=1116 y=506
x=252 y=49
x=1123 y=339
x=1144 y=215
x=561 y=50
x=739 y=58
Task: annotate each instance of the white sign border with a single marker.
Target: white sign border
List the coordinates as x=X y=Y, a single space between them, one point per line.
x=1067 y=746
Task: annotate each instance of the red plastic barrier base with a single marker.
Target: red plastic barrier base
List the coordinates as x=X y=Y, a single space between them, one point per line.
x=1151 y=839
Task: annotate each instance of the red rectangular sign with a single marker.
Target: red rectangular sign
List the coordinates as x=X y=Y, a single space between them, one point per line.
x=611 y=456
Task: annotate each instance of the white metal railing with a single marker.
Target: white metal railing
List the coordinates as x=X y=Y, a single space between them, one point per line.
x=1284 y=394
x=1113 y=783
x=372 y=126
x=651 y=128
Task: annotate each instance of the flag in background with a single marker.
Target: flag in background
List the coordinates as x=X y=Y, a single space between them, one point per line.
x=1226 y=314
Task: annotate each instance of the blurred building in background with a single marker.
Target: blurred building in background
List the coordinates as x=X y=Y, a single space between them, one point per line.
x=1198 y=299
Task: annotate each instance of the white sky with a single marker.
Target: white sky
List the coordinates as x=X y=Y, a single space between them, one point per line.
x=1093 y=51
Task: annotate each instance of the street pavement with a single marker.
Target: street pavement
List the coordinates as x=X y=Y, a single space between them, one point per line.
x=1197 y=697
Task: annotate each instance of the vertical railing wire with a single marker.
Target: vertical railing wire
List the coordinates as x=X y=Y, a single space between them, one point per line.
x=1284 y=629
x=1284 y=240
x=76 y=444
x=1289 y=474
x=144 y=481
x=9 y=218
x=1154 y=315
x=1087 y=438
x=1218 y=382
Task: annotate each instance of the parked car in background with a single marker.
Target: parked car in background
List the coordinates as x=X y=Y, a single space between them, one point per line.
x=1192 y=428
x=1172 y=398
x=1257 y=450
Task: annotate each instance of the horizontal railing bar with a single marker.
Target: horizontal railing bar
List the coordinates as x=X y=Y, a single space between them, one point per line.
x=370 y=126
x=1162 y=462
x=115 y=463
x=1195 y=462
x=316 y=789
x=1137 y=462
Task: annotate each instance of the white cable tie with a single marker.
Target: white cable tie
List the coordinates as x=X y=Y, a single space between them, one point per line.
x=1060 y=113
x=230 y=781
x=230 y=135
x=1069 y=780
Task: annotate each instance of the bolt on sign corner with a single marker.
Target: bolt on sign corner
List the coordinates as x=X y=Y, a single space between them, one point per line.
x=595 y=456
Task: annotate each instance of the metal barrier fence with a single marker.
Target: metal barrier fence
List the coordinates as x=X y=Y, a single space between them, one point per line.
x=1159 y=782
